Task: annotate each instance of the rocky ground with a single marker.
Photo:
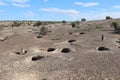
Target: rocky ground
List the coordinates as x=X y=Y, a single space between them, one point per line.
x=65 y=53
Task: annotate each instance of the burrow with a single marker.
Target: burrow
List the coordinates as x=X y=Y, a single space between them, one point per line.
x=65 y=50
x=36 y=58
x=21 y=52
x=103 y=49
x=51 y=49
x=71 y=41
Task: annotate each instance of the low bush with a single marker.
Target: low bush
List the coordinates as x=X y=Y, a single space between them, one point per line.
x=43 y=31
x=16 y=24
x=64 y=22
x=108 y=17
x=83 y=19
x=98 y=27
x=73 y=24
x=116 y=26
x=38 y=23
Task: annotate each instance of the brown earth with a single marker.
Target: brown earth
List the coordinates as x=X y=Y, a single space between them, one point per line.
x=83 y=62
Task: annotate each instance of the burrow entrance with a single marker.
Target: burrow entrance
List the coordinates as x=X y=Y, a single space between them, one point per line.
x=65 y=50
x=118 y=46
x=35 y=58
x=51 y=49
x=81 y=33
x=70 y=33
x=21 y=52
x=118 y=42
x=39 y=36
x=71 y=41
x=103 y=49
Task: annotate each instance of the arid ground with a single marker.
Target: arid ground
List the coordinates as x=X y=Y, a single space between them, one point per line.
x=64 y=53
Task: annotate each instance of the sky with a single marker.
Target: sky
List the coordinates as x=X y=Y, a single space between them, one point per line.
x=58 y=10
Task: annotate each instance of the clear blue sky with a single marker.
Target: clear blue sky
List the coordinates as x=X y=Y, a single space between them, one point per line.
x=58 y=9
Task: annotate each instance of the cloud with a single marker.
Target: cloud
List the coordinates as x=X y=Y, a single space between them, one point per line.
x=117 y=6
x=19 y=1
x=96 y=15
x=90 y=4
x=1 y=11
x=60 y=11
x=45 y=0
x=104 y=14
x=30 y=14
x=2 y=3
x=20 y=5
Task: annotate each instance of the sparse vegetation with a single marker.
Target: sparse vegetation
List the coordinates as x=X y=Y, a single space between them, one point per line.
x=98 y=27
x=38 y=23
x=1 y=27
x=108 y=17
x=83 y=19
x=16 y=24
x=73 y=25
x=88 y=29
x=43 y=30
x=64 y=22
x=77 y=22
x=43 y=51
x=116 y=26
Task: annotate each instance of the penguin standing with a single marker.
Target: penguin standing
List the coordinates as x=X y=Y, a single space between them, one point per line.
x=102 y=38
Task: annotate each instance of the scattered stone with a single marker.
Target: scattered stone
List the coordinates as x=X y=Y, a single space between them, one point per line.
x=29 y=30
x=35 y=58
x=3 y=38
x=65 y=50
x=51 y=49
